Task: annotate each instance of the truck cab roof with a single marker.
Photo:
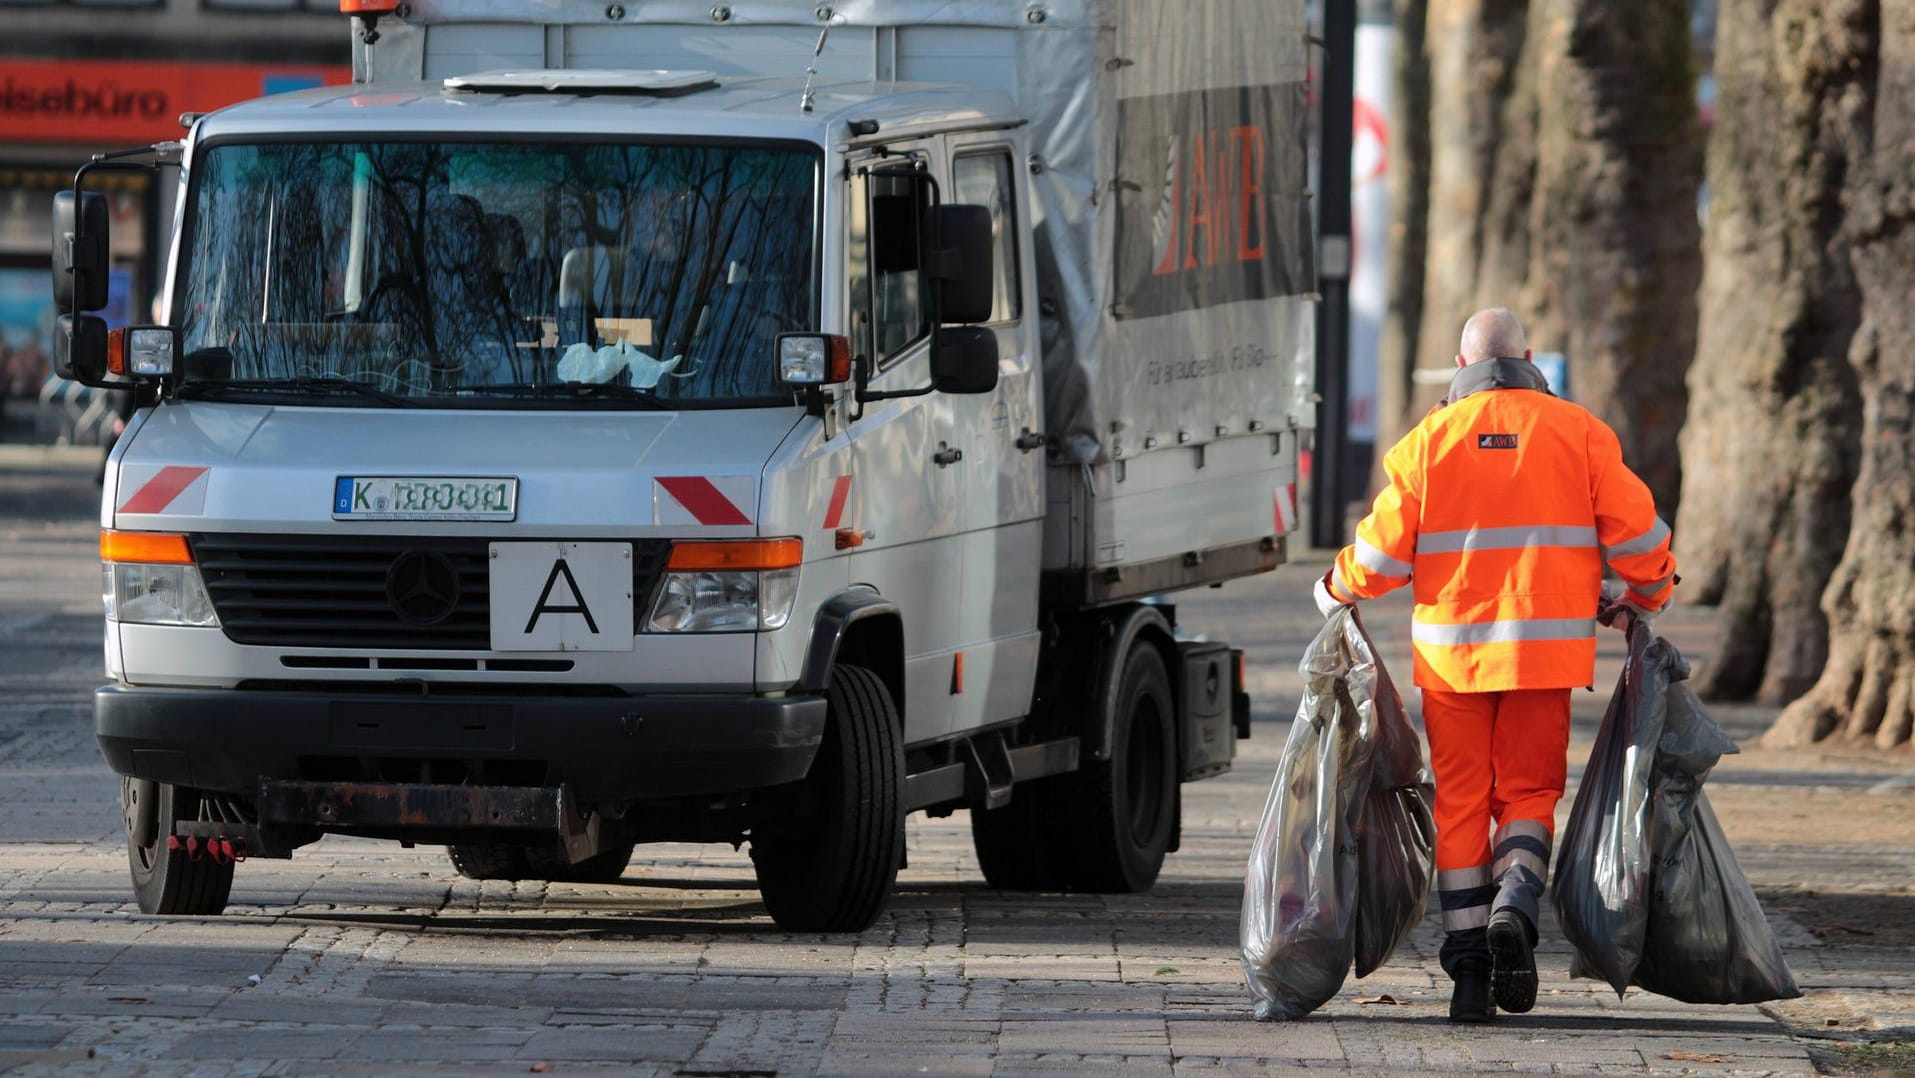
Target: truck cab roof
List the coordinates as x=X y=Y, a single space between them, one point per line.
x=734 y=107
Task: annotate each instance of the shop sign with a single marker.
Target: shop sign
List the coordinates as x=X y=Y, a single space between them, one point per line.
x=133 y=101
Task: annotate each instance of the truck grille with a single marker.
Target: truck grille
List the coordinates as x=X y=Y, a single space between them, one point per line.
x=331 y=591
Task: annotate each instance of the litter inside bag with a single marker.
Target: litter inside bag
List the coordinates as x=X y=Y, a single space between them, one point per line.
x=1396 y=832
x=1647 y=888
x=1342 y=862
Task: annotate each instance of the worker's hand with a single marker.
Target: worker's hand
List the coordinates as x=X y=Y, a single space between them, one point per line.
x=1326 y=603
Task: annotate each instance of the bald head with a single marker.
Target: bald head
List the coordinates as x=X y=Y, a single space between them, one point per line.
x=1492 y=332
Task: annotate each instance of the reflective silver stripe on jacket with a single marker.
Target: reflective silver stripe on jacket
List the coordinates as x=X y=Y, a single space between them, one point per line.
x=1653 y=586
x=1641 y=544
x=1503 y=632
x=1517 y=538
x=1378 y=562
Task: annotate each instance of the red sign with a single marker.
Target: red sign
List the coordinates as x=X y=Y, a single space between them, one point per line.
x=131 y=101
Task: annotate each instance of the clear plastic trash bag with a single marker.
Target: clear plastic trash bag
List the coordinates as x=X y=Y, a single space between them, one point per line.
x=1647 y=889
x=1341 y=867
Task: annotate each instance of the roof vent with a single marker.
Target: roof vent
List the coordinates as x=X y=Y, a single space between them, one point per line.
x=586 y=81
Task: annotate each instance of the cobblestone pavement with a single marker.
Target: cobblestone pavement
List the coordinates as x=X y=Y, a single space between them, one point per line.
x=371 y=958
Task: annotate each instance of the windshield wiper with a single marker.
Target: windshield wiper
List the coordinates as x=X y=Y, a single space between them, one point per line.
x=296 y=385
x=573 y=390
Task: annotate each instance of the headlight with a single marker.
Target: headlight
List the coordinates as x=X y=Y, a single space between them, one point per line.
x=158 y=595
x=717 y=602
x=148 y=578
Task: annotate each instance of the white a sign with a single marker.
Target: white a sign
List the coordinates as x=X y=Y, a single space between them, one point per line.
x=561 y=596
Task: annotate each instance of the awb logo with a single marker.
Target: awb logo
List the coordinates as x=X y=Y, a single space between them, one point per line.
x=1211 y=199
x=1496 y=441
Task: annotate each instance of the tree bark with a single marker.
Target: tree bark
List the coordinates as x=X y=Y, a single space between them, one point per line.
x=1616 y=247
x=1867 y=691
x=1563 y=170
x=1409 y=187
x=1771 y=446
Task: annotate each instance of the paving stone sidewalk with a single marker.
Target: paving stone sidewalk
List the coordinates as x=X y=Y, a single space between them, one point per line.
x=359 y=957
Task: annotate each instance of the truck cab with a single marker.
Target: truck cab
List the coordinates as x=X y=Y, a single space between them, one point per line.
x=545 y=460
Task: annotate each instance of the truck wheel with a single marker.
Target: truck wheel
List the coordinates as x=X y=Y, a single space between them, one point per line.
x=485 y=861
x=489 y=862
x=167 y=881
x=1128 y=803
x=832 y=871
x=1021 y=847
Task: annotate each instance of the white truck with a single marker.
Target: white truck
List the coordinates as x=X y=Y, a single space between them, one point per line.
x=746 y=422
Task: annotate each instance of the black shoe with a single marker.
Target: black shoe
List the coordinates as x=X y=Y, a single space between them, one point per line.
x=1513 y=979
x=1469 y=1001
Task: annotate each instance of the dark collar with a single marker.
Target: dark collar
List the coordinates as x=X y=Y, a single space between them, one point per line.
x=1501 y=372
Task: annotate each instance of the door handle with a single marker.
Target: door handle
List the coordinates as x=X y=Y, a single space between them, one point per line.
x=947 y=456
x=1031 y=439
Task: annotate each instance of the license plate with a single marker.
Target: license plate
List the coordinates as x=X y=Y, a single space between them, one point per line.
x=407 y=497
x=557 y=596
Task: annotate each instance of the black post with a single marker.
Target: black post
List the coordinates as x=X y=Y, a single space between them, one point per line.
x=1328 y=484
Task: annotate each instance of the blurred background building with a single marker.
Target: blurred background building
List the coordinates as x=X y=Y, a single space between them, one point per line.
x=81 y=76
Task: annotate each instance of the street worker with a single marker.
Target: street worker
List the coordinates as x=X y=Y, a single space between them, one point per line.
x=1502 y=506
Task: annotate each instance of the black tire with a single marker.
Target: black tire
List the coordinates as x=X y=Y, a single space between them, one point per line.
x=485 y=861
x=1020 y=846
x=831 y=872
x=167 y=881
x=478 y=861
x=1127 y=805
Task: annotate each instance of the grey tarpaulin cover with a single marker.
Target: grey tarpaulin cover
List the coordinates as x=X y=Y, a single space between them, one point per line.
x=1647 y=889
x=1341 y=867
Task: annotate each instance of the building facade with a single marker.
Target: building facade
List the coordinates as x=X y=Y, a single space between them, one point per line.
x=78 y=77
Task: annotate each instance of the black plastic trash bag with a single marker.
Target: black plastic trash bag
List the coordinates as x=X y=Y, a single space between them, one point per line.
x=1707 y=939
x=1348 y=812
x=1647 y=889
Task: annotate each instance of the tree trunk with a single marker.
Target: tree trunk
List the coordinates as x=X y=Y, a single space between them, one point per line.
x=1771 y=447
x=1867 y=691
x=1563 y=169
x=1409 y=186
x=1616 y=247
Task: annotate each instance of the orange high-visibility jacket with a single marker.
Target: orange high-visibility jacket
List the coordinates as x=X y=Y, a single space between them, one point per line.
x=1501 y=507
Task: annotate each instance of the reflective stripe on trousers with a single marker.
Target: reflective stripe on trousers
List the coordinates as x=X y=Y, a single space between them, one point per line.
x=1521 y=867
x=1465 y=895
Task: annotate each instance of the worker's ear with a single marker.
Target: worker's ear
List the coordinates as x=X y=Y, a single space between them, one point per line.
x=1461 y=362
x=1528 y=356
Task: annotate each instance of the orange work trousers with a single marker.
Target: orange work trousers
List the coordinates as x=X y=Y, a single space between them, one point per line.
x=1497 y=756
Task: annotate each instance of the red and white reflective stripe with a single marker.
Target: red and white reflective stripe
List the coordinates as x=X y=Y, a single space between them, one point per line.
x=834 y=514
x=173 y=488
x=1286 y=508
x=698 y=499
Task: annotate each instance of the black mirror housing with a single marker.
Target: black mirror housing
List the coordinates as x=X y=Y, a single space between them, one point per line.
x=961 y=265
x=964 y=360
x=79 y=349
x=79 y=251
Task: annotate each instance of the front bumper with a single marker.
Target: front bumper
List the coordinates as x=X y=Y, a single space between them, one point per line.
x=605 y=749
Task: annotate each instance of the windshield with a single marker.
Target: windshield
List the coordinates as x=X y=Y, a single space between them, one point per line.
x=499 y=271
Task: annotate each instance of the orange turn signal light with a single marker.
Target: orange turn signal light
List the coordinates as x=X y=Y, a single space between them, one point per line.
x=737 y=554
x=152 y=548
x=368 y=7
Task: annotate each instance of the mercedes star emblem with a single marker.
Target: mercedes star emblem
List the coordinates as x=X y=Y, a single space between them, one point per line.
x=423 y=587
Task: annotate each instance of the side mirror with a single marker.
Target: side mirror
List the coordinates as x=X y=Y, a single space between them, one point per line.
x=961 y=265
x=964 y=360
x=79 y=348
x=79 y=251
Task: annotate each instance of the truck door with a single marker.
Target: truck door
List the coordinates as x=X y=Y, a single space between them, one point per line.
x=905 y=451
x=1002 y=469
